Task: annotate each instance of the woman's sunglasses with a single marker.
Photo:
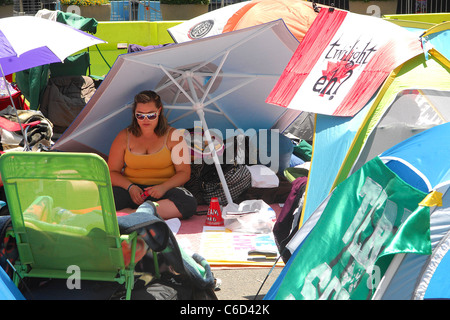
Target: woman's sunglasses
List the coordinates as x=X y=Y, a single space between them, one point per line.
x=149 y=116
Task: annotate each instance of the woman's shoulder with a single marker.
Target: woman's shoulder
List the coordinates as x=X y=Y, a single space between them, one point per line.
x=123 y=132
x=120 y=141
x=174 y=136
x=122 y=135
x=172 y=130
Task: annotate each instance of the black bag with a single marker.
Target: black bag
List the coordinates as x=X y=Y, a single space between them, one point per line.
x=194 y=183
x=161 y=289
x=289 y=218
x=235 y=171
x=237 y=177
x=181 y=277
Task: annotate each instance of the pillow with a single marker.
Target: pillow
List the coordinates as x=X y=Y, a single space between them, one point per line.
x=263 y=177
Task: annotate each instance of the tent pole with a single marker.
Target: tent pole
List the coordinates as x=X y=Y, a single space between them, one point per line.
x=388 y=275
x=25 y=138
x=201 y=115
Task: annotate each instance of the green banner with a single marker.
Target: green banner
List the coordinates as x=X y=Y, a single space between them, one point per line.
x=369 y=217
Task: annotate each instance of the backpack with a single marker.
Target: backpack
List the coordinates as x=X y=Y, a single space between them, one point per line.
x=288 y=220
x=183 y=276
x=204 y=182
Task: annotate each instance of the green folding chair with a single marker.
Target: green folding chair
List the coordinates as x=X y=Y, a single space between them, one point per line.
x=64 y=219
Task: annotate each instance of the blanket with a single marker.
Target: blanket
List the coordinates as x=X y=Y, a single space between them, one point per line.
x=223 y=248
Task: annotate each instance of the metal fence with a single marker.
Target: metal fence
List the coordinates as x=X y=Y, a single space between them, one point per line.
x=341 y=4
x=132 y=10
x=403 y=6
x=216 y=4
x=135 y=11
x=422 y=6
x=30 y=7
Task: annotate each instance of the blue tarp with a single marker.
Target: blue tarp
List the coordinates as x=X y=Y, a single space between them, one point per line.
x=8 y=290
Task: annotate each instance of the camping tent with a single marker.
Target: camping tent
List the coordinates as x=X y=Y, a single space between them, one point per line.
x=415 y=97
x=439 y=37
x=383 y=233
x=8 y=290
x=435 y=28
x=417 y=22
x=422 y=161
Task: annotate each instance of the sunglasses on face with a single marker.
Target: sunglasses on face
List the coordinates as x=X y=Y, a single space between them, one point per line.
x=149 y=116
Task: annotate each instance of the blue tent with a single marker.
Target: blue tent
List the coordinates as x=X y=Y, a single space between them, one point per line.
x=8 y=290
x=422 y=162
x=439 y=36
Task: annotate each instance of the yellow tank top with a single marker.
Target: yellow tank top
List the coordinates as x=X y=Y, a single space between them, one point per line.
x=149 y=169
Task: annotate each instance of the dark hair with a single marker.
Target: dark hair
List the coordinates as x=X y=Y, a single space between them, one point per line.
x=145 y=97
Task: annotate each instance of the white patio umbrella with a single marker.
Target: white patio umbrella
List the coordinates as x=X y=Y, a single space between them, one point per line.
x=27 y=41
x=221 y=80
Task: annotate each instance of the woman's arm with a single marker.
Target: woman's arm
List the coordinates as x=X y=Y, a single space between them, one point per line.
x=116 y=163
x=116 y=160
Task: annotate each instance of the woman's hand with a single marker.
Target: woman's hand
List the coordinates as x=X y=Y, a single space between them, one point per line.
x=135 y=194
x=156 y=191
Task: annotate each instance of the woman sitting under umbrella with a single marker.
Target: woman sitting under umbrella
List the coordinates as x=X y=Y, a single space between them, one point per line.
x=149 y=160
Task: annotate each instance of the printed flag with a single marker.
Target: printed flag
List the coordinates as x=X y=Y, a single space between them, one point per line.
x=368 y=218
x=341 y=62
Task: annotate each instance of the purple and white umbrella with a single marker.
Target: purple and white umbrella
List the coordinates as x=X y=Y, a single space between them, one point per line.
x=27 y=41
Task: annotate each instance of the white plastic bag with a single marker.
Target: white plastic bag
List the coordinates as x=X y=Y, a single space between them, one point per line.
x=252 y=216
x=263 y=177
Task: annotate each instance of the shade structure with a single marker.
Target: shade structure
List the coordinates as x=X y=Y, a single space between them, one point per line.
x=28 y=42
x=221 y=80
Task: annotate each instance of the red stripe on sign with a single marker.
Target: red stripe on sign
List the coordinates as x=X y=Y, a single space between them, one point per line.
x=380 y=66
x=305 y=57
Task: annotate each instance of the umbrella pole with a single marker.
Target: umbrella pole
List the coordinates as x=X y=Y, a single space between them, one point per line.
x=25 y=139
x=201 y=115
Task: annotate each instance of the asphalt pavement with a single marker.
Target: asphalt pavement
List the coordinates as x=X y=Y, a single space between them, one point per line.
x=245 y=283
